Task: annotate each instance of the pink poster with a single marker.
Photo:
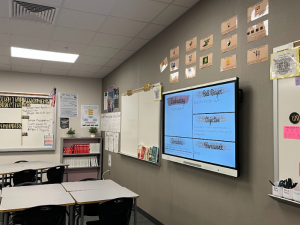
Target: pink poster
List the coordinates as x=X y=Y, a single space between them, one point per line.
x=291 y=132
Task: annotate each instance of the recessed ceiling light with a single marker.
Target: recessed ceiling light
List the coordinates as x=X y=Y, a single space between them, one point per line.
x=43 y=55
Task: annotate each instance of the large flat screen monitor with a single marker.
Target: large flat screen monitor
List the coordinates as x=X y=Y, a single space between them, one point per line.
x=200 y=126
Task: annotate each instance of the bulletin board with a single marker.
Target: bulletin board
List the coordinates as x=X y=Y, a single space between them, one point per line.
x=27 y=122
x=285 y=102
x=140 y=121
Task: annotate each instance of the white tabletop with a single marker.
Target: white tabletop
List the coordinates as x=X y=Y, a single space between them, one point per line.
x=89 y=185
x=32 y=190
x=94 y=196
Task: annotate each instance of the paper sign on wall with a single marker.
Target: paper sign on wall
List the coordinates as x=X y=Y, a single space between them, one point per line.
x=174 y=65
x=229 y=25
x=257 y=55
x=174 y=52
x=190 y=58
x=257 y=11
x=297 y=81
x=105 y=96
x=229 y=43
x=163 y=65
x=191 y=44
x=190 y=72
x=206 y=43
x=291 y=132
x=206 y=61
x=90 y=116
x=174 y=77
x=68 y=105
x=48 y=140
x=258 y=31
x=228 y=63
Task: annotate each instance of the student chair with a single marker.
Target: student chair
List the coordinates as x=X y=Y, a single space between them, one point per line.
x=24 y=176
x=114 y=212
x=55 y=175
x=9 y=177
x=44 y=215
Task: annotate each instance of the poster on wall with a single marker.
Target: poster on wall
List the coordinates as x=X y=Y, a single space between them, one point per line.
x=110 y=99
x=258 y=10
x=190 y=72
x=163 y=65
x=206 y=61
x=68 y=105
x=257 y=55
x=90 y=116
x=206 y=43
x=191 y=44
x=105 y=100
x=258 y=31
x=174 y=52
x=190 y=58
x=229 y=43
x=116 y=98
x=64 y=123
x=229 y=25
x=228 y=63
x=174 y=65
x=157 y=93
x=174 y=77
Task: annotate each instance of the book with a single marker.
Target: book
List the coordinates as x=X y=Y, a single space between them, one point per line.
x=143 y=152
x=154 y=154
x=146 y=156
x=139 y=151
x=150 y=154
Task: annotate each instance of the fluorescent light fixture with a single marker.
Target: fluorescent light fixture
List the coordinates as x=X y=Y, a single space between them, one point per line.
x=43 y=55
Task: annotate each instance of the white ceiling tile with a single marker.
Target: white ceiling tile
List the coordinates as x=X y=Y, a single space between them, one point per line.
x=31 y=29
x=106 y=69
x=124 y=54
x=75 y=73
x=170 y=14
x=150 y=31
x=100 y=75
x=57 y=65
x=5 y=59
x=4 y=8
x=26 y=62
x=54 y=71
x=120 y=26
x=25 y=69
x=187 y=3
x=4 y=50
x=114 y=62
x=5 y=67
x=93 y=6
x=66 y=47
x=3 y=25
x=90 y=60
x=72 y=35
x=109 y=40
x=28 y=42
x=88 y=68
x=80 y=20
x=47 y=2
x=4 y=39
x=142 y=10
x=135 y=44
x=100 y=51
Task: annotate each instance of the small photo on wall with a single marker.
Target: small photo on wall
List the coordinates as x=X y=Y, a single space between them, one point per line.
x=157 y=93
x=190 y=72
x=174 y=77
x=174 y=65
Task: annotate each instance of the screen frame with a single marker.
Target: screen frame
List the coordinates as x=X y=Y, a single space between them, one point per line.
x=230 y=171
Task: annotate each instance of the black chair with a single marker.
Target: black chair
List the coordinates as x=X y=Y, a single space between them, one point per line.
x=44 y=215
x=114 y=212
x=55 y=175
x=21 y=161
x=24 y=176
x=9 y=177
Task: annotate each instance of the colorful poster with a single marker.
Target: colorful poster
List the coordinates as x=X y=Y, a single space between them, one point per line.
x=190 y=72
x=116 y=98
x=174 y=65
x=68 y=105
x=206 y=43
x=110 y=99
x=257 y=11
x=163 y=65
x=90 y=116
x=285 y=64
x=228 y=63
x=190 y=58
x=258 y=31
x=191 y=44
x=174 y=77
x=105 y=96
x=229 y=43
x=257 y=55
x=206 y=61
x=48 y=140
x=174 y=52
x=229 y=25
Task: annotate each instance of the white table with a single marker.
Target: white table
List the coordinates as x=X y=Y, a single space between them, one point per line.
x=89 y=185
x=19 y=202
x=103 y=195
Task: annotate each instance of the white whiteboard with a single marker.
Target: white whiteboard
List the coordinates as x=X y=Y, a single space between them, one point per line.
x=27 y=123
x=140 y=122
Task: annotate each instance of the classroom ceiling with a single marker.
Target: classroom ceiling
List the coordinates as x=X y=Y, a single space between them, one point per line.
x=103 y=32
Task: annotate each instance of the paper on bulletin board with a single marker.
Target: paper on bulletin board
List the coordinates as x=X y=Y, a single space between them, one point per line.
x=48 y=140
x=111 y=122
x=258 y=31
x=174 y=52
x=206 y=43
x=116 y=97
x=157 y=93
x=163 y=65
x=68 y=105
x=90 y=116
x=229 y=25
x=191 y=44
x=110 y=141
x=109 y=160
x=258 y=10
x=106 y=141
x=174 y=65
x=174 y=77
x=229 y=43
x=190 y=58
x=228 y=63
x=116 y=142
x=291 y=132
x=206 y=61
x=105 y=96
x=110 y=99
x=190 y=72
x=257 y=55
x=285 y=64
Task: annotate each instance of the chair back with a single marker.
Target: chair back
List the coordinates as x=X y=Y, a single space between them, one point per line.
x=21 y=161
x=26 y=184
x=24 y=176
x=55 y=174
x=44 y=215
x=116 y=211
x=88 y=179
x=90 y=209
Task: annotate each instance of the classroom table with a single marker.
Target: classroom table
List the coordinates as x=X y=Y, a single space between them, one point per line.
x=20 y=198
x=89 y=185
x=102 y=195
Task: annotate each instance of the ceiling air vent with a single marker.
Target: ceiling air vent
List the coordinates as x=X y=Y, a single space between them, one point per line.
x=33 y=12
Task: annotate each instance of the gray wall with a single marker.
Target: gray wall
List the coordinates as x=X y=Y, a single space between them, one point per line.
x=177 y=194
